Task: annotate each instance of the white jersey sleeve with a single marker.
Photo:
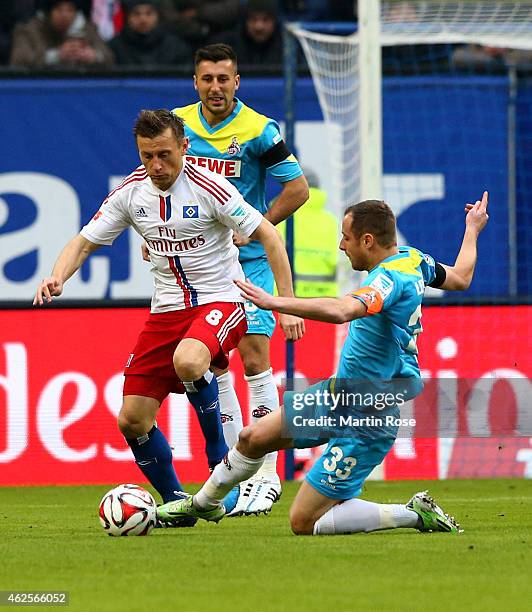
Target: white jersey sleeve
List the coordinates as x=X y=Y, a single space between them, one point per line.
x=238 y=215
x=108 y=222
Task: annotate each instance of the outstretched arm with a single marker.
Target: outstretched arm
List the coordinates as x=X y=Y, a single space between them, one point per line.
x=331 y=310
x=293 y=327
x=459 y=276
x=69 y=261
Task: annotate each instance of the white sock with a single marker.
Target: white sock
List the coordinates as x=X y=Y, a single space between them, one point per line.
x=230 y=411
x=356 y=515
x=263 y=399
x=235 y=468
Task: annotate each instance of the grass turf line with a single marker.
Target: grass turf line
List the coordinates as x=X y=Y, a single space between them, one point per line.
x=51 y=540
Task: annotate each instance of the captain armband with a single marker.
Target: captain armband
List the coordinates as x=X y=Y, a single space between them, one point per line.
x=371 y=298
x=275 y=155
x=439 y=277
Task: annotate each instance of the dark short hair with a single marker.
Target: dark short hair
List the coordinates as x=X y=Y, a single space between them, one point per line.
x=262 y=6
x=217 y=52
x=129 y=5
x=373 y=217
x=152 y=123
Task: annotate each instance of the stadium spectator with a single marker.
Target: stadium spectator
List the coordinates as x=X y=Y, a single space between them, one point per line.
x=479 y=57
x=197 y=20
x=58 y=35
x=12 y=12
x=258 y=41
x=144 y=42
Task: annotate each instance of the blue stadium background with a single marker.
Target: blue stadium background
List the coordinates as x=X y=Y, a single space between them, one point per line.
x=80 y=130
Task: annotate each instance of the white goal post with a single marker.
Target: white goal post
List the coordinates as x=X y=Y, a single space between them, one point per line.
x=346 y=70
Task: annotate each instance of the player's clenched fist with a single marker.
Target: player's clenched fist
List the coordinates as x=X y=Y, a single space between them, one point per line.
x=49 y=287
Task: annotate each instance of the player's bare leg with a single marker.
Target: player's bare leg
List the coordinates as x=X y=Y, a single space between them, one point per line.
x=241 y=462
x=137 y=415
x=192 y=360
x=264 y=437
x=308 y=507
x=262 y=490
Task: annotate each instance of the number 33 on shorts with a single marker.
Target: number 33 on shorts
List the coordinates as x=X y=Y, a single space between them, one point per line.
x=331 y=464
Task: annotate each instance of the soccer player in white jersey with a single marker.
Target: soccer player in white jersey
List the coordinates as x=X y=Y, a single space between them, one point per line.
x=187 y=216
x=379 y=358
x=245 y=146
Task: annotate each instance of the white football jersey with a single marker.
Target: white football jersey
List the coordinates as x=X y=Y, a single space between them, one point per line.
x=188 y=230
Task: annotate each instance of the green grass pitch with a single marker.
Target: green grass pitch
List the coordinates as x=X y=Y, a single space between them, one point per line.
x=50 y=539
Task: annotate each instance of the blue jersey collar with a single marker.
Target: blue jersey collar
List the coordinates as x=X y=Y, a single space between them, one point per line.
x=391 y=258
x=225 y=122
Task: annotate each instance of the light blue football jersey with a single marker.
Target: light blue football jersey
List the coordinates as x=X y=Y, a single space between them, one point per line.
x=243 y=149
x=382 y=346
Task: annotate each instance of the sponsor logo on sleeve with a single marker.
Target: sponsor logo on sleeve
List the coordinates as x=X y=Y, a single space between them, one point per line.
x=383 y=284
x=243 y=221
x=239 y=212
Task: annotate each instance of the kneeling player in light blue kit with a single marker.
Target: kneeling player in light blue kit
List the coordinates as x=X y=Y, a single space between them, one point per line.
x=379 y=352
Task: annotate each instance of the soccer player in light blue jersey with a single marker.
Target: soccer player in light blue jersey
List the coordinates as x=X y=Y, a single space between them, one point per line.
x=228 y=137
x=380 y=349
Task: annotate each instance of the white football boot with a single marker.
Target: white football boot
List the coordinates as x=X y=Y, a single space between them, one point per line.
x=242 y=490
x=265 y=491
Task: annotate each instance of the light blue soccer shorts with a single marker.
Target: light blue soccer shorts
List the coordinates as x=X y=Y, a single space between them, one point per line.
x=260 y=321
x=345 y=464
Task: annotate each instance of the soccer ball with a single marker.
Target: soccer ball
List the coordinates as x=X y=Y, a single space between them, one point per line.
x=128 y=510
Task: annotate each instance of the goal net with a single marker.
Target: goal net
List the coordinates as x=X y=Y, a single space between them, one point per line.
x=456 y=105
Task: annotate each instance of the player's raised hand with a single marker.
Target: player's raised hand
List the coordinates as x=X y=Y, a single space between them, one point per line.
x=255 y=294
x=292 y=326
x=49 y=287
x=477 y=215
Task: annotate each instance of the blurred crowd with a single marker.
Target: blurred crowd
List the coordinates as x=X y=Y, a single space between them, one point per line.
x=43 y=34
x=99 y=33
